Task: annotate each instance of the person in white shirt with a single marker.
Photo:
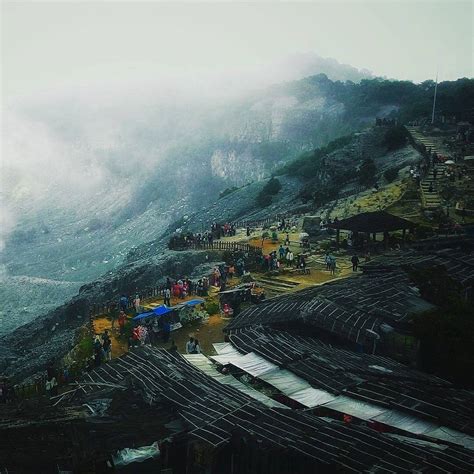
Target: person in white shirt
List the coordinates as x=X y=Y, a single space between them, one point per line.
x=190 y=346
x=136 y=303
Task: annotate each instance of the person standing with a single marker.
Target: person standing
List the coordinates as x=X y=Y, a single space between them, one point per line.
x=153 y=331
x=123 y=303
x=327 y=260
x=281 y=251
x=332 y=264
x=98 y=352
x=190 y=346
x=355 y=263
x=136 y=303
x=107 y=346
x=290 y=257
x=173 y=347
x=166 y=331
x=122 y=320
x=197 y=347
x=167 y=297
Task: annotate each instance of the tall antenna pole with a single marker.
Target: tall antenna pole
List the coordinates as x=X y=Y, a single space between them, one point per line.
x=434 y=99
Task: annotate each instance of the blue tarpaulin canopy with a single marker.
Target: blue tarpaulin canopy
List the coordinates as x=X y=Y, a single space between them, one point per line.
x=194 y=302
x=158 y=311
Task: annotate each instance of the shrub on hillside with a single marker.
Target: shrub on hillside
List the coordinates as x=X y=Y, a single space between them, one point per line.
x=264 y=197
x=391 y=174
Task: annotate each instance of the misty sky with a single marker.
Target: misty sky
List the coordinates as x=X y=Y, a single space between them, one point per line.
x=62 y=45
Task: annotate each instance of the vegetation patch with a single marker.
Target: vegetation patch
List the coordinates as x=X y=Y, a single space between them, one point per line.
x=308 y=164
x=395 y=138
x=391 y=174
x=264 y=197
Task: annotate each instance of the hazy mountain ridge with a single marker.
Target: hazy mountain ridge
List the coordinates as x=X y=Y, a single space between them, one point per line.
x=162 y=163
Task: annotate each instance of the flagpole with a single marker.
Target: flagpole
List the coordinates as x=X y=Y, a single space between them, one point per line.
x=434 y=99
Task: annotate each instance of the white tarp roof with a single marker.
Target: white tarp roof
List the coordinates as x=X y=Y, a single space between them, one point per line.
x=203 y=363
x=311 y=397
x=225 y=348
x=285 y=381
x=453 y=436
x=357 y=408
x=404 y=421
x=250 y=363
x=301 y=391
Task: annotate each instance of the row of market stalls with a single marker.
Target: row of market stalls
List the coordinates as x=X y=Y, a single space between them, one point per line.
x=230 y=301
x=216 y=422
x=304 y=372
x=174 y=316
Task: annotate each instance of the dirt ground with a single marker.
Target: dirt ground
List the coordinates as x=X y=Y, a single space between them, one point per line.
x=207 y=332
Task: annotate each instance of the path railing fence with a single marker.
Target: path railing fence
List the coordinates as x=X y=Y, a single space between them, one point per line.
x=221 y=245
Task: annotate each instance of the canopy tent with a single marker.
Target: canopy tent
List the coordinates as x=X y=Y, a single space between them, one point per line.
x=373 y=222
x=158 y=311
x=144 y=316
x=188 y=304
x=194 y=302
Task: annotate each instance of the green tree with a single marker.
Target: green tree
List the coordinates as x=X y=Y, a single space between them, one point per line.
x=264 y=197
x=395 y=138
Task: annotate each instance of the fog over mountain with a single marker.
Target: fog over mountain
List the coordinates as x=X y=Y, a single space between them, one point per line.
x=90 y=173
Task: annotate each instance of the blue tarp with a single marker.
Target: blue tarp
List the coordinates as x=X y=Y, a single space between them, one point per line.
x=193 y=302
x=158 y=311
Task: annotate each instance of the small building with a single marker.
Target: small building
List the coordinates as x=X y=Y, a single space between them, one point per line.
x=371 y=224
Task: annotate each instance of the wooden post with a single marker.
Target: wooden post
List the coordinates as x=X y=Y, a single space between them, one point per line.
x=338 y=235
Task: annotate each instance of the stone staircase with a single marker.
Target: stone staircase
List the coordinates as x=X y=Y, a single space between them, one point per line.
x=276 y=285
x=430 y=200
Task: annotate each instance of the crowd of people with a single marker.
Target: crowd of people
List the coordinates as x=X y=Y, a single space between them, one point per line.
x=102 y=348
x=283 y=257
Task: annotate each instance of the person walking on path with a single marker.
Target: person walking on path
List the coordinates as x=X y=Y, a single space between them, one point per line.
x=136 y=303
x=332 y=264
x=123 y=303
x=281 y=251
x=355 y=262
x=327 y=261
x=167 y=297
x=190 y=346
x=107 y=345
x=122 y=319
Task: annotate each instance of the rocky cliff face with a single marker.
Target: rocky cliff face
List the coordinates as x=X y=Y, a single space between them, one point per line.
x=137 y=173
x=28 y=350
x=30 y=347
